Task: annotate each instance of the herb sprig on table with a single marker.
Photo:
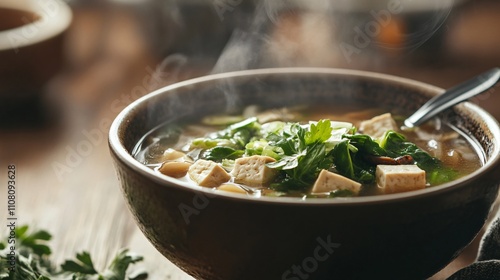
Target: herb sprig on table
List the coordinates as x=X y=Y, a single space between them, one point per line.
x=31 y=261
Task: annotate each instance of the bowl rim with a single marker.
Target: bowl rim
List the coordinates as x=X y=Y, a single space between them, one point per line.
x=121 y=154
x=55 y=17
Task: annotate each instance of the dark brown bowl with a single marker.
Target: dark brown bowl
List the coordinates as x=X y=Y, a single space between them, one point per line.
x=223 y=236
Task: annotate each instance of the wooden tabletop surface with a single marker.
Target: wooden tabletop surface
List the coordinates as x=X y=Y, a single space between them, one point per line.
x=66 y=181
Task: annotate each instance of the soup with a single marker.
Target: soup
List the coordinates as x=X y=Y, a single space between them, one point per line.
x=309 y=152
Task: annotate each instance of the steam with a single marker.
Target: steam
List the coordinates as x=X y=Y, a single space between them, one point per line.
x=325 y=33
x=273 y=8
x=240 y=52
x=168 y=70
x=245 y=45
x=282 y=33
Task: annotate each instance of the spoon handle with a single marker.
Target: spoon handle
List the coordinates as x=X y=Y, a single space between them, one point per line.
x=453 y=96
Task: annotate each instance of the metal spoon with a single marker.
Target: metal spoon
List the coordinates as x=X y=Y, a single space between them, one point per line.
x=453 y=96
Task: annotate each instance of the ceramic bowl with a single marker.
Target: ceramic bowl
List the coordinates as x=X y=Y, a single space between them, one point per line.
x=31 y=51
x=228 y=236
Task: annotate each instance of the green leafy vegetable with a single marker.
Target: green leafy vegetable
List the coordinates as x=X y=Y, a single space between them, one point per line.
x=220 y=153
x=343 y=159
x=228 y=143
x=365 y=144
x=118 y=267
x=352 y=164
x=396 y=145
x=319 y=132
x=34 y=241
x=83 y=264
x=304 y=154
x=262 y=147
x=30 y=261
x=303 y=150
x=350 y=157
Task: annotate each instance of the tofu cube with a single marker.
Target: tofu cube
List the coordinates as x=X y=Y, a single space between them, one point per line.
x=207 y=173
x=377 y=126
x=252 y=171
x=328 y=181
x=400 y=178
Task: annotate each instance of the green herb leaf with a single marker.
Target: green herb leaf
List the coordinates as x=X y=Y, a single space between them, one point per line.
x=220 y=153
x=21 y=231
x=304 y=153
x=342 y=159
x=118 y=267
x=32 y=263
x=319 y=132
x=83 y=264
x=229 y=142
x=365 y=144
x=34 y=241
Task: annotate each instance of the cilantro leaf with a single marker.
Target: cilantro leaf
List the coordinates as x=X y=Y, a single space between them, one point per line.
x=228 y=143
x=34 y=241
x=220 y=153
x=32 y=263
x=118 y=267
x=304 y=154
x=82 y=265
x=26 y=268
x=319 y=132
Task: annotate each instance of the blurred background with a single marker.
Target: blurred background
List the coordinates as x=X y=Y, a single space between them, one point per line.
x=57 y=105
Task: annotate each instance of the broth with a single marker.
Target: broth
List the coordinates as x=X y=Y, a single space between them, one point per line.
x=454 y=151
x=13 y=18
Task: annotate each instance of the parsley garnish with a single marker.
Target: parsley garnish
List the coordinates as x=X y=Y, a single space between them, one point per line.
x=304 y=154
x=32 y=261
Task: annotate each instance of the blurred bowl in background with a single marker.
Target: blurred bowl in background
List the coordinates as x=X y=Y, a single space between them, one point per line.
x=31 y=53
x=394 y=31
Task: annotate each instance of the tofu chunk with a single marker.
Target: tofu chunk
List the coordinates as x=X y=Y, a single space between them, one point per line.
x=328 y=181
x=400 y=178
x=377 y=126
x=252 y=171
x=207 y=173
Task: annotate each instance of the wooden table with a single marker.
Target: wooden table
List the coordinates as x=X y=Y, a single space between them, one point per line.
x=66 y=181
